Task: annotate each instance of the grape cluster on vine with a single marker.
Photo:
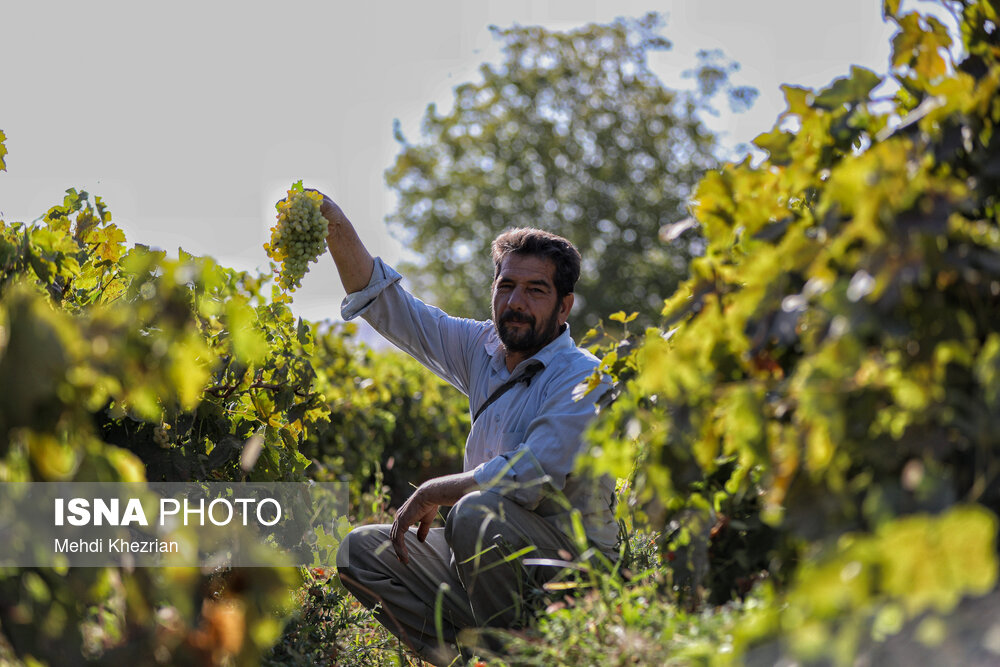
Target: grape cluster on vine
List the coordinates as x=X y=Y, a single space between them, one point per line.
x=299 y=236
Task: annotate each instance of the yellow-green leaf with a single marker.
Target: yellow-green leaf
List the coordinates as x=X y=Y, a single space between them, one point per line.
x=249 y=344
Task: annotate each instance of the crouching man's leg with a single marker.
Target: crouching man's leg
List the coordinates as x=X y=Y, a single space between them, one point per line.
x=405 y=598
x=483 y=529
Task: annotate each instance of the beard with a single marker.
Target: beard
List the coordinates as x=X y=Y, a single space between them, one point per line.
x=528 y=339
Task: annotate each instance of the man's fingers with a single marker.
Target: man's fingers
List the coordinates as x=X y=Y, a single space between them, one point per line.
x=425 y=527
x=330 y=210
x=401 y=552
x=398 y=536
x=412 y=512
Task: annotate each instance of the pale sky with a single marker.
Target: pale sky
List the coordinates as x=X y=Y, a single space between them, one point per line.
x=191 y=119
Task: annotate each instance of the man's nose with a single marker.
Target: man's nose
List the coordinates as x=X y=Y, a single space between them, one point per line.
x=517 y=299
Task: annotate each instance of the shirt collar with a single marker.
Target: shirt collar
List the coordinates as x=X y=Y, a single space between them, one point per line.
x=498 y=361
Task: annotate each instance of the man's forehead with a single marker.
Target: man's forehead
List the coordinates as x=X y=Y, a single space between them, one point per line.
x=527 y=267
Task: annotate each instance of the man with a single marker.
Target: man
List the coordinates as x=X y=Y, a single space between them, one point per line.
x=513 y=506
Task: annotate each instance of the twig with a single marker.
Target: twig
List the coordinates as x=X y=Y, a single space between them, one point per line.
x=225 y=391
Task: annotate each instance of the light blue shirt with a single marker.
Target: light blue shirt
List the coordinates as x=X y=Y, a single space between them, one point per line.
x=524 y=444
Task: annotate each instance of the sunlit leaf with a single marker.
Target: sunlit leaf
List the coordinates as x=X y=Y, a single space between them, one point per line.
x=848 y=90
x=249 y=344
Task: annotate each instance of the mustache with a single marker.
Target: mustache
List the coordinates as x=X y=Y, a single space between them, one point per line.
x=513 y=316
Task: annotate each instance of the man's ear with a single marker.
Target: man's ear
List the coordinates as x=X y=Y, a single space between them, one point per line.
x=564 y=307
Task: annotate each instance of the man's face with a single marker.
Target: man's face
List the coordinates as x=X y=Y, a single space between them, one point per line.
x=526 y=309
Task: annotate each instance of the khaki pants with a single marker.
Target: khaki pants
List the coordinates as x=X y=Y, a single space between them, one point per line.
x=462 y=576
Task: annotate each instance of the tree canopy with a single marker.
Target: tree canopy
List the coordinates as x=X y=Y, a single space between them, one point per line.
x=571 y=133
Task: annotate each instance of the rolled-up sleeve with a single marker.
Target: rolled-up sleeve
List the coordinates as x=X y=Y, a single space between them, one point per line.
x=440 y=342
x=356 y=303
x=545 y=457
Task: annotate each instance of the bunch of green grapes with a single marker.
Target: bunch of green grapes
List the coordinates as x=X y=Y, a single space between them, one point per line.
x=299 y=236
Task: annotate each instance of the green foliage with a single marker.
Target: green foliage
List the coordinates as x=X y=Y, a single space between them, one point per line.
x=826 y=380
x=330 y=627
x=571 y=133
x=130 y=366
x=590 y=616
x=875 y=582
x=412 y=424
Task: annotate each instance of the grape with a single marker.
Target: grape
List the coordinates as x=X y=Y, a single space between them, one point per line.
x=298 y=237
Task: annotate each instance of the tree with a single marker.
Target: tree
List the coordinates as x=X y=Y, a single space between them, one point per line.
x=571 y=133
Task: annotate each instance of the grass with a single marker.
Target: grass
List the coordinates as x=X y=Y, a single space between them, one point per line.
x=590 y=618
x=332 y=628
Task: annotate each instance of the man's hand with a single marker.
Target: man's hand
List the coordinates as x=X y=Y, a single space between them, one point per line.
x=416 y=510
x=335 y=218
x=421 y=508
x=354 y=262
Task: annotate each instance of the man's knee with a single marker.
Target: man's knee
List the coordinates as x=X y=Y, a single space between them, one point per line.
x=473 y=509
x=344 y=561
x=358 y=547
x=473 y=520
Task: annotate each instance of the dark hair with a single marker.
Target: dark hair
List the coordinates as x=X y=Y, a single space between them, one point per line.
x=530 y=241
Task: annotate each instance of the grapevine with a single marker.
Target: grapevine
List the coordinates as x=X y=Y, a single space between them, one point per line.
x=298 y=237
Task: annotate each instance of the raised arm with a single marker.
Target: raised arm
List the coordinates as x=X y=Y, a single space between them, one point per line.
x=440 y=342
x=354 y=263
